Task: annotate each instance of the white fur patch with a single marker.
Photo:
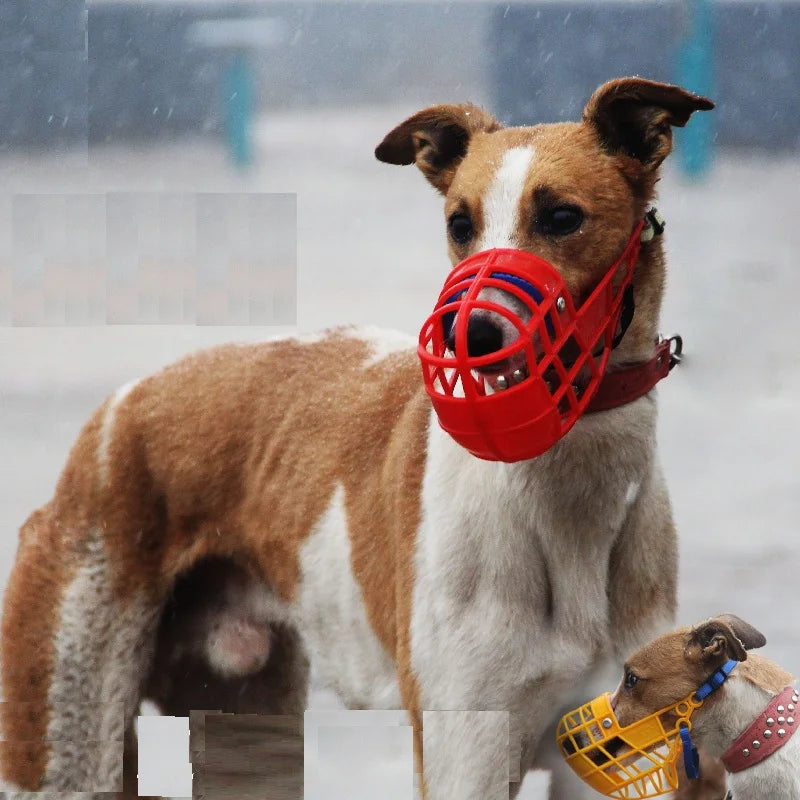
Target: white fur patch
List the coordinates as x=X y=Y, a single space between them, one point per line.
x=502 y=201
x=381 y=341
x=314 y=337
x=102 y=649
x=345 y=652
x=632 y=492
x=108 y=427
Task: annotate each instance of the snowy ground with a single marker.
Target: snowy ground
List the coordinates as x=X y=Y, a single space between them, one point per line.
x=370 y=250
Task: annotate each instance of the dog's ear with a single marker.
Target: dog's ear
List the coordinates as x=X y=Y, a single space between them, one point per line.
x=436 y=139
x=634 y=117
x=745 y=632
x=715 y=641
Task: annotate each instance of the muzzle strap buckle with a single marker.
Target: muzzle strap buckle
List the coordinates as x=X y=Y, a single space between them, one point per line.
x=654 y=224
x=716 y=680
x=675 y=349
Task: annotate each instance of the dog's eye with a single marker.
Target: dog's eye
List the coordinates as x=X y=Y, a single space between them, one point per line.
x=460 y=227
x=630 y=680
x=560 y=220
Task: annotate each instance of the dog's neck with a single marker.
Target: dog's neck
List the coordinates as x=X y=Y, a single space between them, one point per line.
x=638 y=343
x=750 y=688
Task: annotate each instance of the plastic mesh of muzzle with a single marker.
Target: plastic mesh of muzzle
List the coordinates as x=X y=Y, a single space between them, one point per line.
x=630 y=763
x=565 y=353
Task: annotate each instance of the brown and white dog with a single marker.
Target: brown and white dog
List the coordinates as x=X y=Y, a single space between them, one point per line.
x=739 y=723
x=303 y=487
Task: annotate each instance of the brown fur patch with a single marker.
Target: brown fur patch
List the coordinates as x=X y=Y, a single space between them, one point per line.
x=237 y=451
x=711 y=785
x=764 y=673
x=664 y=675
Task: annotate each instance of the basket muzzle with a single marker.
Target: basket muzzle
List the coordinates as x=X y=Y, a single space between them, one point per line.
x=630 y=762
x=509 y=362
x=639 y=760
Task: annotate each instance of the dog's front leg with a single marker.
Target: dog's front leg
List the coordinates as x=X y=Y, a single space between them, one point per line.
x=643 y=570
x=466 y=755
x=468 y=752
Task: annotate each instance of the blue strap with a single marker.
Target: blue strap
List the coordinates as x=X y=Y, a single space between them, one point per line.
x=514 y=280
x=520 y=283
x=716 y=680
x=691 y=758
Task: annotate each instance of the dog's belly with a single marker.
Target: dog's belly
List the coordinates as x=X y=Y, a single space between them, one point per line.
x=345 y=653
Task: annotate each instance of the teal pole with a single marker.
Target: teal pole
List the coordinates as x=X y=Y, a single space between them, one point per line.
x=695 y=72
x=239 y=107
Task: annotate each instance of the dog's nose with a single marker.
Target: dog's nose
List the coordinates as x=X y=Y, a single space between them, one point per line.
x=483 y=337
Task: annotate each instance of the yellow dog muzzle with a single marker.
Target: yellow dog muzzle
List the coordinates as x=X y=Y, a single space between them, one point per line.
x=635 y=761
x=639 y=760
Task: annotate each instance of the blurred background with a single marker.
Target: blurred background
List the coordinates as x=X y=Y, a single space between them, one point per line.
x=177 y=174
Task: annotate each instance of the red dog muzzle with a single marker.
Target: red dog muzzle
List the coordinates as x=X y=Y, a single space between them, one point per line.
x=516 y=402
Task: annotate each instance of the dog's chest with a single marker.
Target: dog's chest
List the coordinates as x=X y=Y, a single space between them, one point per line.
x=512 y=578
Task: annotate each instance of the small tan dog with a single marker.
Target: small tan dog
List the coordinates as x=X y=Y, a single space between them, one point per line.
x=252 y=509
x=748 y=722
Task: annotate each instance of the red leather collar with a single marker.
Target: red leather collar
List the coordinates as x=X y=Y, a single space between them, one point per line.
x=767 y=733
x=625 y=384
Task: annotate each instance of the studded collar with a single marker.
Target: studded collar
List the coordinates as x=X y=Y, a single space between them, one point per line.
x=766 y=734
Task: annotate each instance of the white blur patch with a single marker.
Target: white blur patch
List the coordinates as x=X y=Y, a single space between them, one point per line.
x=502 y=201
x=164 y=768
x=345 y=653
x=358 y=754
x=108 y=428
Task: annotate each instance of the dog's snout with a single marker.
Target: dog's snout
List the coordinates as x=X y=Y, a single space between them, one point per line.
x=602 y=755
x=483 y=336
